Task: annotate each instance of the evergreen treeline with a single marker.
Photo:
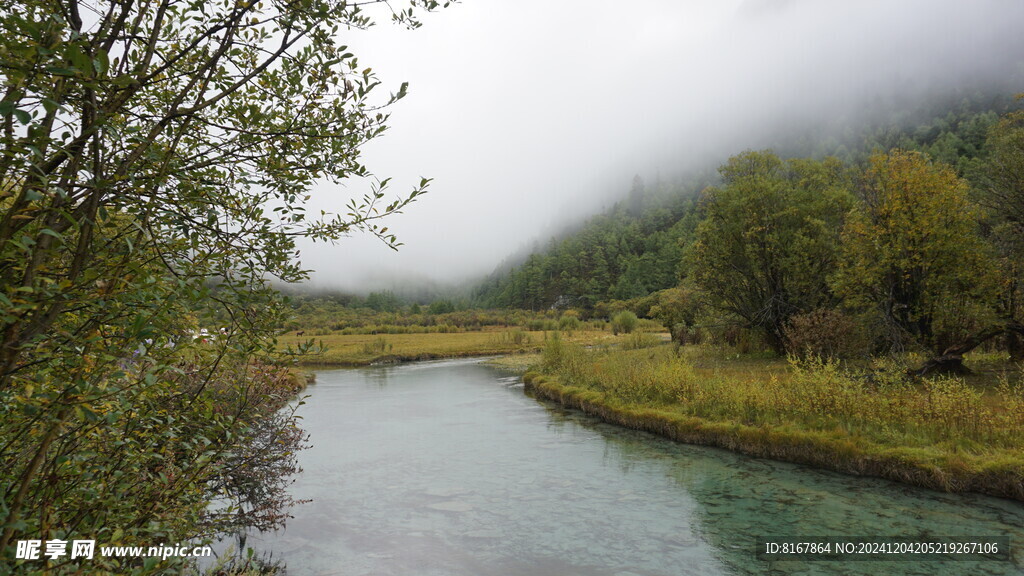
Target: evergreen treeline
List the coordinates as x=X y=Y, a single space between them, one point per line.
x=633 y=249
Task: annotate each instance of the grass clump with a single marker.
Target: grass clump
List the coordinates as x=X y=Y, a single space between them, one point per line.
x=377 y=346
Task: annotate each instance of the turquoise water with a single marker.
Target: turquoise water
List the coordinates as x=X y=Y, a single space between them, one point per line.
x=447 y=468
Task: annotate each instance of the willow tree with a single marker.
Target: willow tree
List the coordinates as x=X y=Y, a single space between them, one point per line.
x=156 y=159
x=768 y=240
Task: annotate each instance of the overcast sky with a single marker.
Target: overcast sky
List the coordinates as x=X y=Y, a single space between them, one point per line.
x=529 y=114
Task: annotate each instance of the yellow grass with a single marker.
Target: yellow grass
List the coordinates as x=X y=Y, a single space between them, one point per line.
x=515 y=363
x=365 y=349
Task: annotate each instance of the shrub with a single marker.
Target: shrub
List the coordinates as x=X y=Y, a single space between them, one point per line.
x=824 y=333
x=624 y=322
x=568 y=361
x=685 y=334
x=569 y=322
x=540 y=324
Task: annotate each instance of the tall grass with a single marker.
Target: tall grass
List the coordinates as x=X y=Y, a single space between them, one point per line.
x=514 y=337
x=812 y=394
x=638 y=340
x=377 y=346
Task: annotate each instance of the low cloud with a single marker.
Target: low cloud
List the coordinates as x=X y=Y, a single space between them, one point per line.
x=530 y=115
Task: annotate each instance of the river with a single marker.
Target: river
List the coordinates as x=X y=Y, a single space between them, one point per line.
x=448 y=468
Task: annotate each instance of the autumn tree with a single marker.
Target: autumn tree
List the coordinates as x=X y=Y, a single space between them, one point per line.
x=156 y=159
x=912 y=254
x=768 y=240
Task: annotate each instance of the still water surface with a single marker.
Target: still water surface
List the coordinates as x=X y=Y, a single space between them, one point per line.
x=447 y=468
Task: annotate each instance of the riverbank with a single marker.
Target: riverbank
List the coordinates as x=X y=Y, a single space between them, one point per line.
x=298 y=379
x=939 y=434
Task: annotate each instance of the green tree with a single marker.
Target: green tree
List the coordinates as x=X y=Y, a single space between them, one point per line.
x=677 y=311
x=156 y=159
x=769 y=239
x=384 y=301
x=1001 y=183
x=912 y=253
x=1002 y=175
x=441 y=307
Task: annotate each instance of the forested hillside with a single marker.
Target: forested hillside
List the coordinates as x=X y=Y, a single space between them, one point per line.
x=639 y=245
x=633 y=249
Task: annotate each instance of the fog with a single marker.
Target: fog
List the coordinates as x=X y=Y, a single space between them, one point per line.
x=532 y=114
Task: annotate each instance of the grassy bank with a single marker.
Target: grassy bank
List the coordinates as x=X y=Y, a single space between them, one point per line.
x=298 y=379
x=941 y=433
x=367 y=349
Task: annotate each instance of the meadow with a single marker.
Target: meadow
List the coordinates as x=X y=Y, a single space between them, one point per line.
x=944 y=433
x=339 y=349
x=327 y=335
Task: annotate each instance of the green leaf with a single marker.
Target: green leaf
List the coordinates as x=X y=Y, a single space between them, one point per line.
x=79 y=59
x=49 y=232
x=50 y=106
x=101 y=63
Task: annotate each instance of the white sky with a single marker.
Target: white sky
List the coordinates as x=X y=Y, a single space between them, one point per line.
x=529 y=114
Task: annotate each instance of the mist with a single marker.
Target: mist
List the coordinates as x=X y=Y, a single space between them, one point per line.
x=531 y=115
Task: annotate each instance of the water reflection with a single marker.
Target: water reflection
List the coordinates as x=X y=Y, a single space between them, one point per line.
x=447 y=468
x=745 y=500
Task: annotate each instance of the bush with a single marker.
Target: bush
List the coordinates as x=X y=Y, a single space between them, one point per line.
x=569 y=361
x=541 y=324
x=824 y=333
x=569 y=322
x=624 y=322
x=684 y=334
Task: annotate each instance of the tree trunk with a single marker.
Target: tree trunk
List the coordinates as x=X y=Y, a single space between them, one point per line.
x=951 y=361
x=1015 y=346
